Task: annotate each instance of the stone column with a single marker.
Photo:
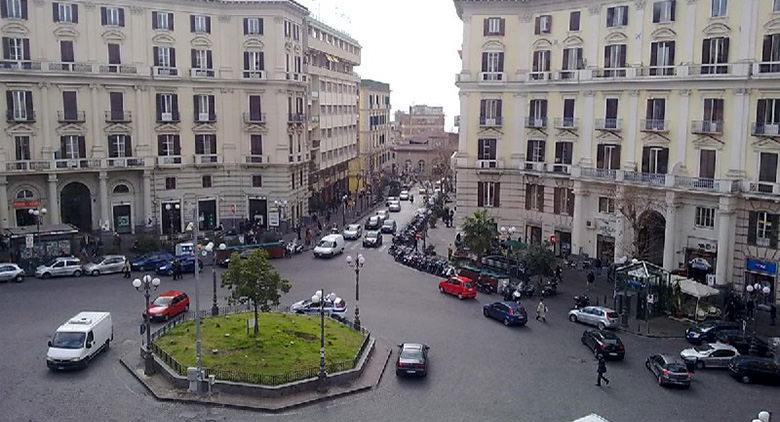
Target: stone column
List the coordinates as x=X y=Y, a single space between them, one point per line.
x=631 y=128
x=147 y=196
x=682 y=120
x=578 y=235
x=586 y=153
x=103 y=192
x=54 y=201
x=47 y=143
x=620 y=225
x=591 y=52
x=739 y=124
x=670 y=232
x=4 y=223
x=519 y=144
x=726 y=220
x=465 y=48
x=635 y=54
x=94 y=124
x=463 y=130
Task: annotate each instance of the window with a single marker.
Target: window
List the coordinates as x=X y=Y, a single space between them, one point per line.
x=541 y=64
x=255 y=110
x=116 y=104
x=543 y=25
x=205 y=181
x=768 y=116
x=608 y=157
x=488 y=194
x=611 y=113
x=705 y=218
x=170 y=183
x=119 y=146
x=66 y=52
x=69 y=106
x=563 y=152
x=72 y=147
x=167 y=108
x=770 y=54
x=707 y=163
x=204 y=108
x=254 y=63
x=493 y=26
x=16 y=49
x=655 y=160
x=606 y=205
x=719 y=8
x=201 y=59
x=493 y=62
x=112 y=16
x=257 y=181
x=615 y=60
x=767 y=171
x=200 y=24
x=762 y=229
x=20 y=105
x=65 y=13
x=713 y=115
x=563 y=201
x=206 y=144
x=776 y=6
x=253 y=26
x=114 y=56
x=168 y=145
x=490 y=112
x=292 y=177
x=534 y=197
x=164 y=56
x=22 y=146
x=486 y=149
x=574 y=21
x=535 y=152
x=568 y=112
x=663 y=11
x=662 y=58
x=162 y=21
x=656 y=114
x=25 y=194
x=16 y=9
x=714 y=51
x=572 y=60
x=617 y=16
x=256 y=144
x=538 y=115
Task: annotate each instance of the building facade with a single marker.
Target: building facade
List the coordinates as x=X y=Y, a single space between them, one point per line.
x=640 y=128
x=333 y=105
x=426 y=156
x=125 y=115
x=420 y=120
x=374 y=155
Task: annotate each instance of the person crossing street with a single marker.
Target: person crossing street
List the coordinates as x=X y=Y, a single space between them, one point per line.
x=541 y=311
x=602 y=369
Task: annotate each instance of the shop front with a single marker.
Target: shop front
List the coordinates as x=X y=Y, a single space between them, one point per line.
x=533 y=235
x=207 y=214
x=701 y=258
x=605 y=248
x=562 y=243
x=258 y=211
x=763 y=273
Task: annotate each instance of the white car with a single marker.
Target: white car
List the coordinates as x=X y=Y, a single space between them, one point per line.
x=334 y=306
x=599 y=316
x=404 y=196
x=421 y=191
x=709 y=355
x=105 y=265
x=383 y=215
x=9 y=272
x=353 y=232
x=330 y=246
x=395 y=206
x=60 y=267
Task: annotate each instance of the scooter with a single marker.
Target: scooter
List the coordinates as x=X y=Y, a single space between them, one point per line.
x=550 y=289
x=293 y=248
x=581 y=301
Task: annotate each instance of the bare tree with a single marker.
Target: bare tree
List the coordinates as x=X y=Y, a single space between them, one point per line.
x=643 y=211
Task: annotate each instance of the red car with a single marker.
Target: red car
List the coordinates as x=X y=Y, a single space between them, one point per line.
x=459 y=286
x=168 y=305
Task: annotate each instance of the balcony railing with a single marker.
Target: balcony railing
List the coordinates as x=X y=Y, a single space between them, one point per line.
x=709 y=69
x=254 y=74
x=201 y=73
x=654 y=179
x=614 y=72
x=70 y=67
x=568 y=74
x=766 y=67
x=296 y=118
x=609 y=124
x=761 y=187
x=254 y=118
x=124 y=162
x=205 y=118
x=596 y=173
x=118 y=68
x=28 y=165
x=76 y=164
x=206 y=160
x=489 y=164
x=257 y=159
x=536 y=122
x=492 y=77
x=706 y=184
x=535 y=166
x=539 y=76
x=19 y=65
x=559 y=168
x=645 y=71
x=495 y=121
x=654 y=125
x=169 y=161
x=707 y=127
x=118 y=116
x=71 y=117
x=165 y=71
x=567 y=123
x=766 y=129
x=26 y=117
x=291 y=76
x=168 y=117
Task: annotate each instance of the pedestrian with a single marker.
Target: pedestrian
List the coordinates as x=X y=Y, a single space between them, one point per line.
x=176 y=270
x=591 y=278
x=602 y=369
x=541 y=310
x=772 y=314
x=452 y=216
x=307 y=241
x=298 y=231
x=449 y=252
x=127 y=269
x=559 y=273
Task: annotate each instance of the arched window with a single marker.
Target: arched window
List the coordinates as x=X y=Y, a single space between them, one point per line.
x=120 y=189
x=25 y=194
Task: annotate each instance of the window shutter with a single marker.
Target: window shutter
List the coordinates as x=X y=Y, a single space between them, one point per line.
x=159 y=107
x=116 y=102
x=528 y=197
x=654 y=54
x=774 y=219
x=63 y=150
x=540 y=198
x=256 y=144
x=246 y=60
x=192 y=23
x=486 y=26
x=23 y=3
x=610 y=17
x=193 y=55
x=646 y=160
x=196 y=106
x=529 y=150
x=55 y=12
x=671 y=54
x=128 y=146
x=761 y=116
x=565 y=58
x=260 y=20
x=175 y=105
x=254 y=106
x=212 y=110
x=113 y=54
x=480 y=194
x=663 y=160
x=649 y=112
x=213 y=142
x=26 y=49
x=156 y=55
x=499 y=106
x=600 y=157
x=723 y=57
x=501 y=26
x=69 y=104
x=674 y=8
x=82 y=147
x=557 y=200
x=752 y=227
x=607 y=61
x=497 y=194
x=6 y=48
x=28 y=103
x=574 y=21
x=766 y=54
x=622 y=55
x=176 y=145
x=173 y=57
x=199 y=141
x=170 y=21
x=154 y=21
x=482 y=108
x=616 y=158
x=3 y=9
x=705 y=51
x=657 y=12
x=122 y=17
x=209 y=62
x=484 y=62
x=262 y=60
x=74 y=8
x=66 y=51
x=9 y=101
x=246 y=26
x=537 y=25
x=103 y=19
x=208 y=24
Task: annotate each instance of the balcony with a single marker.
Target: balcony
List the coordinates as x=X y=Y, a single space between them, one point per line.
x=165 y=72
x=535 y=166
x=654 y=126
x=254 y=118
x=490 y=121
x=566 y=123
x=27 y=165
x=612 y=125
x=19 y=65
x=172 y=117
x=76 y=164
x=710 y=69
x=207 y=160
x=653 y=71
x=492 y=77
x=19 y=116
x=124 y=162
x=766 y=68
x=652 y=179
x=614 y=72
x=257 y=159
x=539 y=76
x=596 y=173
x=70 y=67
x=559 y=168
x=205 y=118
x=201 y=73
x=704 y=184
x=254 y=74
x=169 y=161
x=118 y=116
x=761 y=188
x=118 y=69
x=71 y=116
x=570 y=74
x=489 y=164
x=296 y=118
x=296 y=77
x=707 y=127
x=771 y=130
x=534 y=122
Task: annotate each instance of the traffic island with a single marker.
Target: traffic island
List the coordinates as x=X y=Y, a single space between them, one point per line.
x=274 y=371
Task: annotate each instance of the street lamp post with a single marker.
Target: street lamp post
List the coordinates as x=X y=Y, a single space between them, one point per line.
x=357 y=264
x=319 y=299
x=214 y=306
x=171 y=208
x=344 y=200
x=147 y=283
x=38 y=214
x=753 y=291
x=193 y=226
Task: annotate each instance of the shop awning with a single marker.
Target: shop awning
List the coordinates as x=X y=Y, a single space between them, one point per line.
x=694 y=288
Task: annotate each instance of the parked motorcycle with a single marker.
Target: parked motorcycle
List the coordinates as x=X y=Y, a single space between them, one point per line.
x=293 y=248
x=550 y=289
x=581 y=301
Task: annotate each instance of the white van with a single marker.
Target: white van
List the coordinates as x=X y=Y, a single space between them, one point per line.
x=330 y=246
x=79 y=340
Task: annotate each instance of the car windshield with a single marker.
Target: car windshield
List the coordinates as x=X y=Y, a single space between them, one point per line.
x=353 y=227
x=612 y=315
x=68 y=340
x=162 y=301
x=467 y=285
x=703 y=348
x=676 y=367
x=415 y=354
x=99 y=259
x=372 y=235
x=325 y=244
x=389 y=223
x=51 y=263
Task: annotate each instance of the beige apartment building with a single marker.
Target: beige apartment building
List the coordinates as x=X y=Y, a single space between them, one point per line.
x=374 y=155
x=421 y=119
x=129 y=115
x=333 y=105
x=613 y=128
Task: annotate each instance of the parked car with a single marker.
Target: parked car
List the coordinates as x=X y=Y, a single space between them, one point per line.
x=187 y=265
x=11 y=272
x=168 y=305
x=709 y=355
x=60 y=267
x=510 y=313
x=390 y=199
x=372 y=239
x=373 y=223
x=334 y=306
x=395 y=206
x=79 y=340
x=150 y=261
x=599 y=316
x=330 y=246
x=604 y=343
x=708 y=330
x=389 y=227
x=459 y=286
x=383 y=215
x=352 y=232
x=412 y=360
x=668 y=370
x=421 y=191
x=404 y=195
x=750 y=369
x=105 y=265
x=746 y=344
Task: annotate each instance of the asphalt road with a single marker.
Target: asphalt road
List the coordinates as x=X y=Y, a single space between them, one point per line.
x=480 y=369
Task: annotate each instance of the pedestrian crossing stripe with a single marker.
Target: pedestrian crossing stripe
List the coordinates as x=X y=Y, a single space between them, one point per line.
x=591 y=418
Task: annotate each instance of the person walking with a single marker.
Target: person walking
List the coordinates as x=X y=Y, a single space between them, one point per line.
x=602 y=369
x=176 y=269
x=559 y=273
x=541 y=311
x=449 y=252
x=127 y=269
x=591 y=278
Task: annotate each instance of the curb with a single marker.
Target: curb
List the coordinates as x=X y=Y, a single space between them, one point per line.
x=658 y=336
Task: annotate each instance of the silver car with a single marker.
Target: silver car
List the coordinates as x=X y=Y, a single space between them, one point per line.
x=11 y=272
x=710 y=355
x=106 y=265
x=599 y=316
x=395 y=206
x=60 y=267
x=353 y=232
x=383 y=215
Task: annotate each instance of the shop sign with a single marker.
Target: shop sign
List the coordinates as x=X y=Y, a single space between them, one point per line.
x=31 y=203
x=765 y=267
x=273 y=218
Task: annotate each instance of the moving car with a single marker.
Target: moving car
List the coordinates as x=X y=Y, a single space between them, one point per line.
x=105 y=265
x=150 y=261
x=708 y=330
x=404 y=195
x=79 y=340
x=187 y=265
x=421 y=191
x=60 y=267
x=668 y=370
x=334 y=306
x=352 y=232
x=412 y=359
x=373 y=223
x=390 y=199
x=330 y=246
x=9 y=272
x=395 y=206
x=709 y=355
x=510 y=313
x=383 y=215
x=745 y=343
x=168 y=305
x=599 y=316
x=459 y=286
x=604 y=343
x=372 y=239
x=389 y=226
x=749 y=369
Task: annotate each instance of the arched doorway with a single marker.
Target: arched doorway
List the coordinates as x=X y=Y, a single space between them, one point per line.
x=76 y=206
x=650 y=237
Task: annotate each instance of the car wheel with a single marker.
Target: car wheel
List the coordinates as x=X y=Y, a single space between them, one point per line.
x=108 y=345
x=582 y=339
x=96 y=273
x=573 y=318
x=77 y=273
x=485 y=313
x=45 y=275
x=460 y=296
x=601 y=326
x=699 y=364
x=647 y=365
x=19 y=279
x=441 y=289
x=745 y=379
x=660 y=380
x=506 y=322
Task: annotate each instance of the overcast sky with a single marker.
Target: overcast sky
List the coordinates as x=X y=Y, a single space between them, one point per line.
x=410 y=44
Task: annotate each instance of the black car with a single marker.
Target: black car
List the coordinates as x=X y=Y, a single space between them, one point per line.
x=412 y=360
x=605 y=343
x=668 y=370
x=510 y=313
x=707 y=330
x=372 y=239
x=373 y=223
x=748 y=369
x=389 y=227
x=745 y=343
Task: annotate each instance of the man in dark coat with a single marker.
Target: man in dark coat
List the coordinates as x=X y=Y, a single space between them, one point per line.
x=602 y=369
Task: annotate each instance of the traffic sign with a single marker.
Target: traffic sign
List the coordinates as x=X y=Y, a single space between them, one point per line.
x=28 y=241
